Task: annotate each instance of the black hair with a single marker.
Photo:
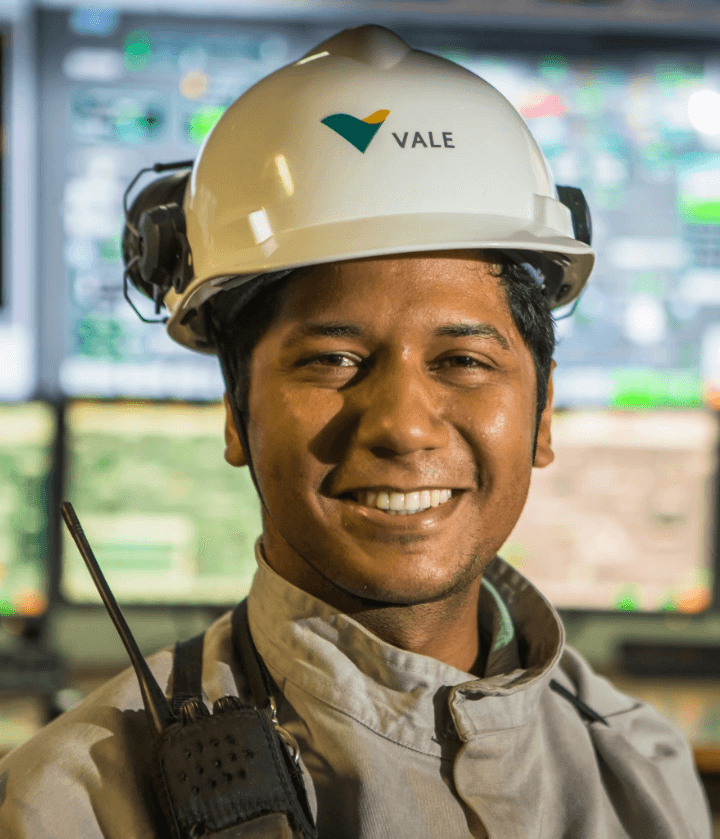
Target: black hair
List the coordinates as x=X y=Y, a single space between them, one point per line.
x=238 y=320
x=532 y=317
x=240 y=317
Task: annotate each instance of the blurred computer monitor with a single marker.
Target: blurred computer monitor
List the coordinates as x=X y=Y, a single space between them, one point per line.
x=168 y=519
x=27 y=439
x=624 y=518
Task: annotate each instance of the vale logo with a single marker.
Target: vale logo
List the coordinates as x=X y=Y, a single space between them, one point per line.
x=358 y=132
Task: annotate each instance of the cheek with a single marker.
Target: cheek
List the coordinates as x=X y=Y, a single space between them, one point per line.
x=502 y=427
x=284 y=425
x=510 y=434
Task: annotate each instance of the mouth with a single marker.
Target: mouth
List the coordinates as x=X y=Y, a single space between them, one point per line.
x=395 y=503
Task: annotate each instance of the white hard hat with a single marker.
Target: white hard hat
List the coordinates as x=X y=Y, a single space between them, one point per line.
x=366 y=147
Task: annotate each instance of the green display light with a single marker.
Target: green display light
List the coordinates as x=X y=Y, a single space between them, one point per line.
x=138 y=50
x=699 y=212
x=627 y=604
x=673 y=75
x=643 y=388
x=202 y=121
x=110 y=249
x=698 y=200
x=553 y=66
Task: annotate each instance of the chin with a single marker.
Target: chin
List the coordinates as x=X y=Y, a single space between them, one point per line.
x=411 y=589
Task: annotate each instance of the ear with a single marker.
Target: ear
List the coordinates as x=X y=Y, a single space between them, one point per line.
x=234 y=453
x=544 y=455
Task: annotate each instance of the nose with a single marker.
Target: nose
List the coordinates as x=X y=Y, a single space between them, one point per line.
x=400 y=411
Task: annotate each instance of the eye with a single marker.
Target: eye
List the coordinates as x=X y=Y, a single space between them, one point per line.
x=463 y=361
x=332 y=369
x=336 y=359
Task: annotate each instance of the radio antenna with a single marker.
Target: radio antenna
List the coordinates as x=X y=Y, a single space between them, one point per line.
x=156 y=704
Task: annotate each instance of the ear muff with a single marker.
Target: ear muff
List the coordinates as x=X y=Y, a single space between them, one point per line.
x=155 y=249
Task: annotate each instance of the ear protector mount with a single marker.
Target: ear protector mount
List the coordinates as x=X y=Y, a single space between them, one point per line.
x=572 y=197
x=155 y=249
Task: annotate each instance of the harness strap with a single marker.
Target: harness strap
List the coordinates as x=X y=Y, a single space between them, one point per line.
x=583 y=709
x=187 y=665
x=261 y=683
x=187 y=672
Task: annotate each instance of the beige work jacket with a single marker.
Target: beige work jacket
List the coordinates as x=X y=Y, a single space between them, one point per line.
x=394 y=745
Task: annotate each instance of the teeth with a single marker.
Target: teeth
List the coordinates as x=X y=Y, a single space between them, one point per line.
x=397 y=501
x=412 y=501
x=403 y=503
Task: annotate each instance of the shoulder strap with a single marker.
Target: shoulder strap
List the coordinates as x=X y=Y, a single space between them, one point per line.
x=261 y=683
x=187 y=665
x=187 y=672
x=584 y=710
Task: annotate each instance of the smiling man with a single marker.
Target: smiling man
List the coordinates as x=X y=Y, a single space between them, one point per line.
x=378 y=290
x=392 y=425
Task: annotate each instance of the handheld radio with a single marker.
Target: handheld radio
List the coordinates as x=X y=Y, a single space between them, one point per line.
x=230 y=774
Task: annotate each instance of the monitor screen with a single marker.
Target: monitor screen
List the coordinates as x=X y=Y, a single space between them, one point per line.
x=169 y=521
x=18 y=233
x=623 y=519
x=27 y=438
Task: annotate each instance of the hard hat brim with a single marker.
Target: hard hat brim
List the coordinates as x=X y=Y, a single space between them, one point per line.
x=369 y=237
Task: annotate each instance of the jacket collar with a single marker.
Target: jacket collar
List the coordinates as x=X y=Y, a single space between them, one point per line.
x=331 y=658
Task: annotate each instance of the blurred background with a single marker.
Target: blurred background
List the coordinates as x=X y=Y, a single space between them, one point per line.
x=620 y=533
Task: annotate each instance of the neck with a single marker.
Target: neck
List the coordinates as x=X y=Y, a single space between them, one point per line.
x=445 y=629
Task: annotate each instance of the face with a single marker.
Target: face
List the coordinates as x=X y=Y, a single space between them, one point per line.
x=392 y=416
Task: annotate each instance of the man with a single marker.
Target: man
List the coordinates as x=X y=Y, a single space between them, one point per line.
x=382 y=316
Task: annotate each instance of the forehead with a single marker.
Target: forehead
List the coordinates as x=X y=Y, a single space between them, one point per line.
x=413 y=288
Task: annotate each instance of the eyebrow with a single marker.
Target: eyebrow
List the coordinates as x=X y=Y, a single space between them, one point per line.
x=471 y=330
x=446 y=330
x=330 y=330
